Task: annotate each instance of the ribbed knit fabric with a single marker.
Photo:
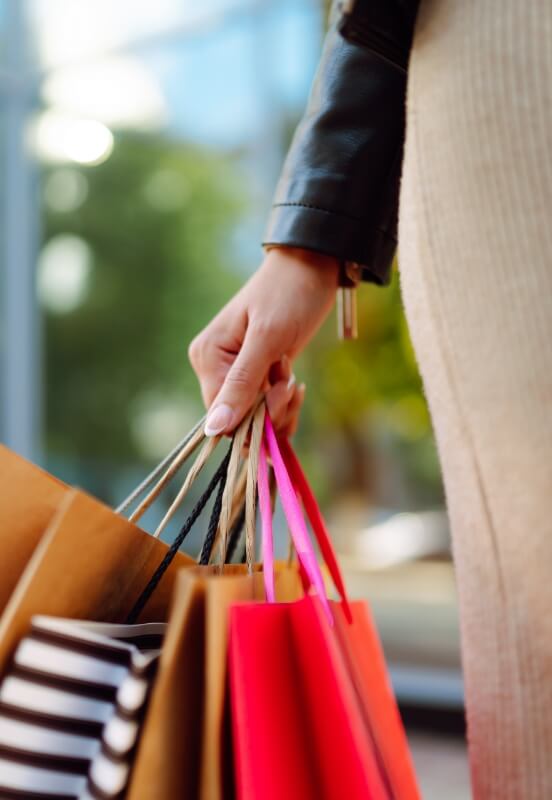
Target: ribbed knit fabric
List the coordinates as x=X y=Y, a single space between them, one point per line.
x=475 y=251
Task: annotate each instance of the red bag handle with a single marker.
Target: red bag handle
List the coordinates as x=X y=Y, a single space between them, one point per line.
x=318 y=524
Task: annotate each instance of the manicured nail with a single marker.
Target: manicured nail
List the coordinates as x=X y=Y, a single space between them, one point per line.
x=218 y=420
x=291 y=382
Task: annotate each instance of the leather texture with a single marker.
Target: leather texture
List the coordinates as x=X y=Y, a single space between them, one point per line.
x=338 y=192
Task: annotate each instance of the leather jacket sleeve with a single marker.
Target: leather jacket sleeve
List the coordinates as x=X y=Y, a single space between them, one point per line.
x=339 y=188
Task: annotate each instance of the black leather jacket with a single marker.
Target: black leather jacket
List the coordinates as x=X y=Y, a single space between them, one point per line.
x=339 y=188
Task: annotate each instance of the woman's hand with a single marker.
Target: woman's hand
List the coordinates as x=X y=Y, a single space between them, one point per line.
x=249 y=345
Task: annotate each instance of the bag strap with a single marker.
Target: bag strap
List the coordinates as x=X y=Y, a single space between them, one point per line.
x=237 y=519
x=193 y=472
x=240 y=438
x=154 y=474
x=218 y=479
x=267 y=538
x=196 y=438
x=236 y=535
x=295 y=519
x=257 y=428
x=318 y=524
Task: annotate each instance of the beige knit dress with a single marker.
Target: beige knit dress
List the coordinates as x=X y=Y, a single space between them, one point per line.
x=475 y=252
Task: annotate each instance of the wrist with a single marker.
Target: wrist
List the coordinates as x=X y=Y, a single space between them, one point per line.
x=329 y=265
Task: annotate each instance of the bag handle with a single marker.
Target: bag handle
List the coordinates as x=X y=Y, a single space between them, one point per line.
x=237 y=519
x=257 y=428
x=195 y=439
x=218 y=480
x=318 y=524
x=240 y=438
x=149 y=479
x=267 y=538
x=204 y=454
x=295 y=519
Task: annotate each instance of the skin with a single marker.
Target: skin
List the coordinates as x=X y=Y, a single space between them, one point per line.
x=251 y=343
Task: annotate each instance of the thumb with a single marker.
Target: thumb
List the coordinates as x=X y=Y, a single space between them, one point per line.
x=241 y=386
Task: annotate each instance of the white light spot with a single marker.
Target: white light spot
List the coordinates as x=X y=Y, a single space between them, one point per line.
x=64 y=269
x=59 y=137
x=158 y=422
x=119 y=91
x=65 y=190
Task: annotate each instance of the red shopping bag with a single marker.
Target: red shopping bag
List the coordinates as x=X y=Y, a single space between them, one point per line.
x=299 y=730
x=313 y=713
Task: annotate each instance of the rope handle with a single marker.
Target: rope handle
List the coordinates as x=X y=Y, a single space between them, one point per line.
x=155 y=473
x=240 y=437
x=257 y=427
x=237 y=521
x=193 y=472
x=173 y=468
x=218 y=480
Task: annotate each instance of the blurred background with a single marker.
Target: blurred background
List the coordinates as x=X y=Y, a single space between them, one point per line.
x=140 y=143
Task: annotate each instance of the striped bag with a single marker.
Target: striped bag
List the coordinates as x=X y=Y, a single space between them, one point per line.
x=71 y=707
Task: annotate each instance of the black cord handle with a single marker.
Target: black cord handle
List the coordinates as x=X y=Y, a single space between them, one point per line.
x=213 y=524
x=218 y=478
x=236 y=535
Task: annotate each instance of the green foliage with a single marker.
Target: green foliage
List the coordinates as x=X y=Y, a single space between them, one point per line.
x=365 y=396
x=158 y=217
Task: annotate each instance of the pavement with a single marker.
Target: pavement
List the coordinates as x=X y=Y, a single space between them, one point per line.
x=441 y=765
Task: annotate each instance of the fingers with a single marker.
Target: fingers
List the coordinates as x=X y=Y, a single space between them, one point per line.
x=243 y=382
x=215 y=349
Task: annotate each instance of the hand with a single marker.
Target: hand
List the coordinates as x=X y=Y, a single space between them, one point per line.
x=244 y=348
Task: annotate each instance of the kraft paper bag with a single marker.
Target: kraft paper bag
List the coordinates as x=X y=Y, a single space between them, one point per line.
x=90 y=564
x=184 y=749
x=29 y=497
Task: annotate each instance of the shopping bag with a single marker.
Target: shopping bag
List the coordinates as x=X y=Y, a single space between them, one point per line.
x=93 y=564
x=312 y=715
x=70 y=707
x=184 y=749
x=29 y=497
x=185 y=746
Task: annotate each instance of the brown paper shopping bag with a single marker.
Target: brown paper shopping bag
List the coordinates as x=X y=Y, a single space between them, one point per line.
x=94 y=564
x=184 y=747
x=29 y=497
x=91 y=564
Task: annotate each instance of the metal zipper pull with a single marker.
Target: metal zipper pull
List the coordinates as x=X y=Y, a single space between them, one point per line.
x=347 y=314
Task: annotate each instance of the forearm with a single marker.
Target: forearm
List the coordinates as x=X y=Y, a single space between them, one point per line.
x=338 y=191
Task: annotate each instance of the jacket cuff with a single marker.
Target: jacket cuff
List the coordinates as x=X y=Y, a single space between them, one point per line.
x=332 y=234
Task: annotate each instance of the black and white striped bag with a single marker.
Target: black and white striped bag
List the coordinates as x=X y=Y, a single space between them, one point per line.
x=71 y=707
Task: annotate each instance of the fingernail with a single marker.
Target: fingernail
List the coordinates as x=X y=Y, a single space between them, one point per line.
x=303 y=388
x=218 y=420
x=291 y=382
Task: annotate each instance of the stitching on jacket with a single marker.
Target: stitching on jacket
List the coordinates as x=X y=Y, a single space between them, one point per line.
x=317 y=208
x=381 y=230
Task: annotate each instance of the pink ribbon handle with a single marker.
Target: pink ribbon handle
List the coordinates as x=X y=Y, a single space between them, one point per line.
x=318 y=524
x=267 y=539
x=295 y=520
